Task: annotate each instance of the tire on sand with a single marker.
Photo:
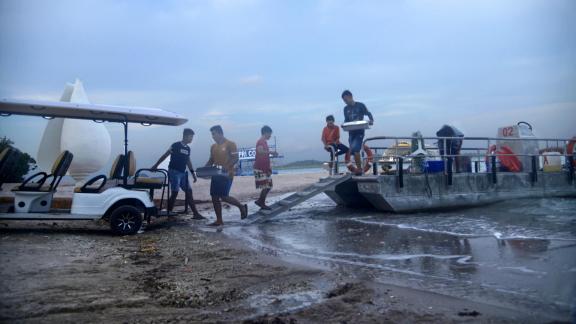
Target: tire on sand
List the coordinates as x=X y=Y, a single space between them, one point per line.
x=125 y=220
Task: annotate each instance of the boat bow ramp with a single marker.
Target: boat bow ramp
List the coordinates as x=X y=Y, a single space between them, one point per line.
x=280 y=206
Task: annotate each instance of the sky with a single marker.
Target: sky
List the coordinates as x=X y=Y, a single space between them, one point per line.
x=416 y=64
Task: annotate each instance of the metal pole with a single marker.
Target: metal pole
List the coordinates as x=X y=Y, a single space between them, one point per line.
x=493 y=165
x=332 y=158
x=571 y=168
x=449 y=171
x=534 y=173
x=400 y=170
x=126 y=159
x=336 y=165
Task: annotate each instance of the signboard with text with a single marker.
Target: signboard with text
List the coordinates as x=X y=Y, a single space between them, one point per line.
x=247 y=153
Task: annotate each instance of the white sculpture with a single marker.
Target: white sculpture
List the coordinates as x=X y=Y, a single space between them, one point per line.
x=88 y=141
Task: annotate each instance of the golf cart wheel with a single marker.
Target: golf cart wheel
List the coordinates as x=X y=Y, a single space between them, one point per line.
x=126 y=220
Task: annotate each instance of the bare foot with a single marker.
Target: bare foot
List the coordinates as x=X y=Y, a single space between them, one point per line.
x=216 y=224
x=198 y=217
x=262 y=205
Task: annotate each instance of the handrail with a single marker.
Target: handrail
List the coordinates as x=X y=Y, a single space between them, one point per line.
x=446 y=150
x=467 y=138
x=334 y=161
x=559 y=142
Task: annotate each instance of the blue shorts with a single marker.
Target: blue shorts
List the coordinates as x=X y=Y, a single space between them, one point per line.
x=355 y=141
x=220 y=186
x=178 y=179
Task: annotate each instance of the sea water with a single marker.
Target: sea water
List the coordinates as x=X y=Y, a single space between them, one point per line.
x=520 y=254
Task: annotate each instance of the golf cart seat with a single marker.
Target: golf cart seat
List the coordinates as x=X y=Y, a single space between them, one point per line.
x=145 y=179
x=99 y=183
x=8 y=162
x=36 y=197
x=138 y=178
x=59 y=169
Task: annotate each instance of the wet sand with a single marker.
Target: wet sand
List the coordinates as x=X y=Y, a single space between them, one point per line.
x=180 y=270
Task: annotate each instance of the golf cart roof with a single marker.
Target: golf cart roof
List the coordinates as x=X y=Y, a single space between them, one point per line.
x=90 y=111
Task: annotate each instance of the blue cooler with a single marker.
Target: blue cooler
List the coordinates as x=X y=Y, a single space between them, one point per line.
x=434 y=166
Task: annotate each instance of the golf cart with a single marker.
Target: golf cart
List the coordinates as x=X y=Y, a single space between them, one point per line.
x=124 y=198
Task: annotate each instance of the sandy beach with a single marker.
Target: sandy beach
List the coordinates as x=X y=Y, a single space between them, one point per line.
x=179 y=271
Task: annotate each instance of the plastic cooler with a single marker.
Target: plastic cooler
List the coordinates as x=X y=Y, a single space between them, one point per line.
x=355 y=125
x=434 y=166
x=208 y=172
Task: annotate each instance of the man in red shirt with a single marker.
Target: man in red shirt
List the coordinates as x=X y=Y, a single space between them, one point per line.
x=331 y=139
x=262 y=168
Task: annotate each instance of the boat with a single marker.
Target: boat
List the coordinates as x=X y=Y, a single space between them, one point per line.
x=462 y=172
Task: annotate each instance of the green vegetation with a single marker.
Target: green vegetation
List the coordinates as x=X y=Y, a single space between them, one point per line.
x=24 y=163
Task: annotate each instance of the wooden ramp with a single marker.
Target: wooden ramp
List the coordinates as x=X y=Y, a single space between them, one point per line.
x=283 y=205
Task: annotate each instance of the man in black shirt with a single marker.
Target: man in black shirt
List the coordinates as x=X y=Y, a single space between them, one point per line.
x=180 y=159
x=355 y=111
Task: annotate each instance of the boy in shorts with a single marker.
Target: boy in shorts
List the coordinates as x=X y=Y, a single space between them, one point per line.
x=262 y=167
x=331 y=139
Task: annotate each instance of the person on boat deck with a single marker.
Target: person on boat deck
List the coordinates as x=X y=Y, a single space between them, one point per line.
x=180 y=159
x=224 y=154
x=331 y=139
x=354 y=111
x=262 y=167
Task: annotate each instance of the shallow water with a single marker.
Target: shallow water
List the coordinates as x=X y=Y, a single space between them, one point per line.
x=519 y=254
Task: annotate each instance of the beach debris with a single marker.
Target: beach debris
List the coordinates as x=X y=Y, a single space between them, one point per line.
x=148 y=246
x=340 y=290
x=466 y=312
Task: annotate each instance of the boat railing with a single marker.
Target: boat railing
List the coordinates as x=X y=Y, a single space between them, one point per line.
x=454 y=151
x=333 y=165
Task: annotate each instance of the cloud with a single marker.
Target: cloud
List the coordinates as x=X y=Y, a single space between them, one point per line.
x=215 y=115
x=251 y=79
x=233 y=4
x=416 y=64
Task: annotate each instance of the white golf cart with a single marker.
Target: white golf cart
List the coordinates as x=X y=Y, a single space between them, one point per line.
x=121 y=200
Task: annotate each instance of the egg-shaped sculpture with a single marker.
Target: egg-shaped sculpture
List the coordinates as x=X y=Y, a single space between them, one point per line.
x=87 y=140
